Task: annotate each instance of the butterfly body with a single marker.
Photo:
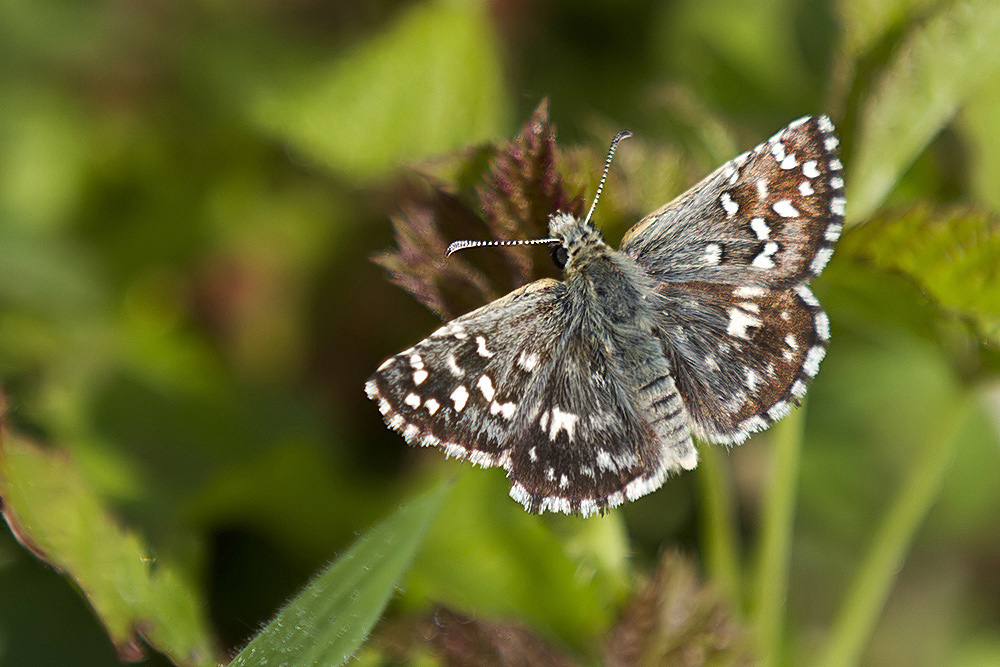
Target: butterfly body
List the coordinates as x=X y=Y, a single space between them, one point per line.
x=588 y=390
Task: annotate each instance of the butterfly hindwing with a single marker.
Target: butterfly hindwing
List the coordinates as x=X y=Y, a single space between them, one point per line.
x=743 y=355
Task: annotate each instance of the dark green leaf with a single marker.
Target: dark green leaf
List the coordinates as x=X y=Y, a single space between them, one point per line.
x=326 y=623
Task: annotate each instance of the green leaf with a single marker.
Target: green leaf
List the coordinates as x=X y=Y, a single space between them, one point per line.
x=934 y=72
x=951 y=255
x=430 y=83
x=54 y=513
x=328 y=621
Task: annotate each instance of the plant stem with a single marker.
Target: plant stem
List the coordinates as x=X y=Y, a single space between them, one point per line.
x=867 y=595
x=722 y=558
x=770 y=574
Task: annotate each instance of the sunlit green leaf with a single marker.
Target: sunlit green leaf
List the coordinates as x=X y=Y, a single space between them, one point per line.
x=866 y=21
x=53 y=512
x=934 y=72
x=327 y=622
x=951 y=255
x=430 y=83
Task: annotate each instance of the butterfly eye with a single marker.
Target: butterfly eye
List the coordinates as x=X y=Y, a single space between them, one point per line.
x=559 y=255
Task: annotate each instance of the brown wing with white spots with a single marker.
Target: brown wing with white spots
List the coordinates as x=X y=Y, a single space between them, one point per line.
x=731 y=259
x=768 y=217
x=514 y=385
x=742 y=355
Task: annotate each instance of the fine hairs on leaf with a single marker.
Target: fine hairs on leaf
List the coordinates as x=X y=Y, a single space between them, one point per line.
x=330 y=619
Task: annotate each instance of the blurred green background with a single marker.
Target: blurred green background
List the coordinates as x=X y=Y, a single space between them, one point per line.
x=189 y=196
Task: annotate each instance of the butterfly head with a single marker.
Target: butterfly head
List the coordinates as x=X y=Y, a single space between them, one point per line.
x=575 y=237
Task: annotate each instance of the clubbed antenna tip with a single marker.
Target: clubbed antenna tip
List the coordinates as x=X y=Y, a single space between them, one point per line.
x=624 y=134
x=462 y=245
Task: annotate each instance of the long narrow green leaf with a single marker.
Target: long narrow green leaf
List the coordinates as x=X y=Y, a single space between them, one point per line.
x=328 y=621
x=939 y=66
x=770 y=578
x=718 y=520
x=867 y=595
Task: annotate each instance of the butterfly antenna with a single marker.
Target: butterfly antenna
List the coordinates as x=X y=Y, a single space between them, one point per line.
x=624 y=134
x=462 y=245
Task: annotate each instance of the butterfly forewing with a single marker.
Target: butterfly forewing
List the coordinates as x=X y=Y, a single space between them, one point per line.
x=769 y=216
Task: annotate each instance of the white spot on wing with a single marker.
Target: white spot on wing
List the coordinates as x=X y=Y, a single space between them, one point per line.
x=527 y=360
x=386 y=364
x=562 y=421
x=762 y=188
x=738 y=323
x=763 y=260
x=822 y=325
x=838 y=205
x=809 y=169
x=727 y=203
x=485 y=385
x=419 y=376
x=784 y=208
x=412 y=400
x=760 y=228
x=789 y=162
x=459 y=397
x=481 y=347
x=823 y=256
x=833 y=231
x=813 y=357
x=454 y=367
x=836 y=182
x=806 y=188
x=806 y=295
x=778 y=150
x=432 y=406
x=749 y=292
x=791 y=342
x=713 y=253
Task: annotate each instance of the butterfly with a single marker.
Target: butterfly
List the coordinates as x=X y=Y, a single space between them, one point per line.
x=589 y=390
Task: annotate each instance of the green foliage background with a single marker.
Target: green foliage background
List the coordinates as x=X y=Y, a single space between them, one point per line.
x=189 y=195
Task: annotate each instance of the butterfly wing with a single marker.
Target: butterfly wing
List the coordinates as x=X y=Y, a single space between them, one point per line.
x=731 y=258
x=520 y=384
